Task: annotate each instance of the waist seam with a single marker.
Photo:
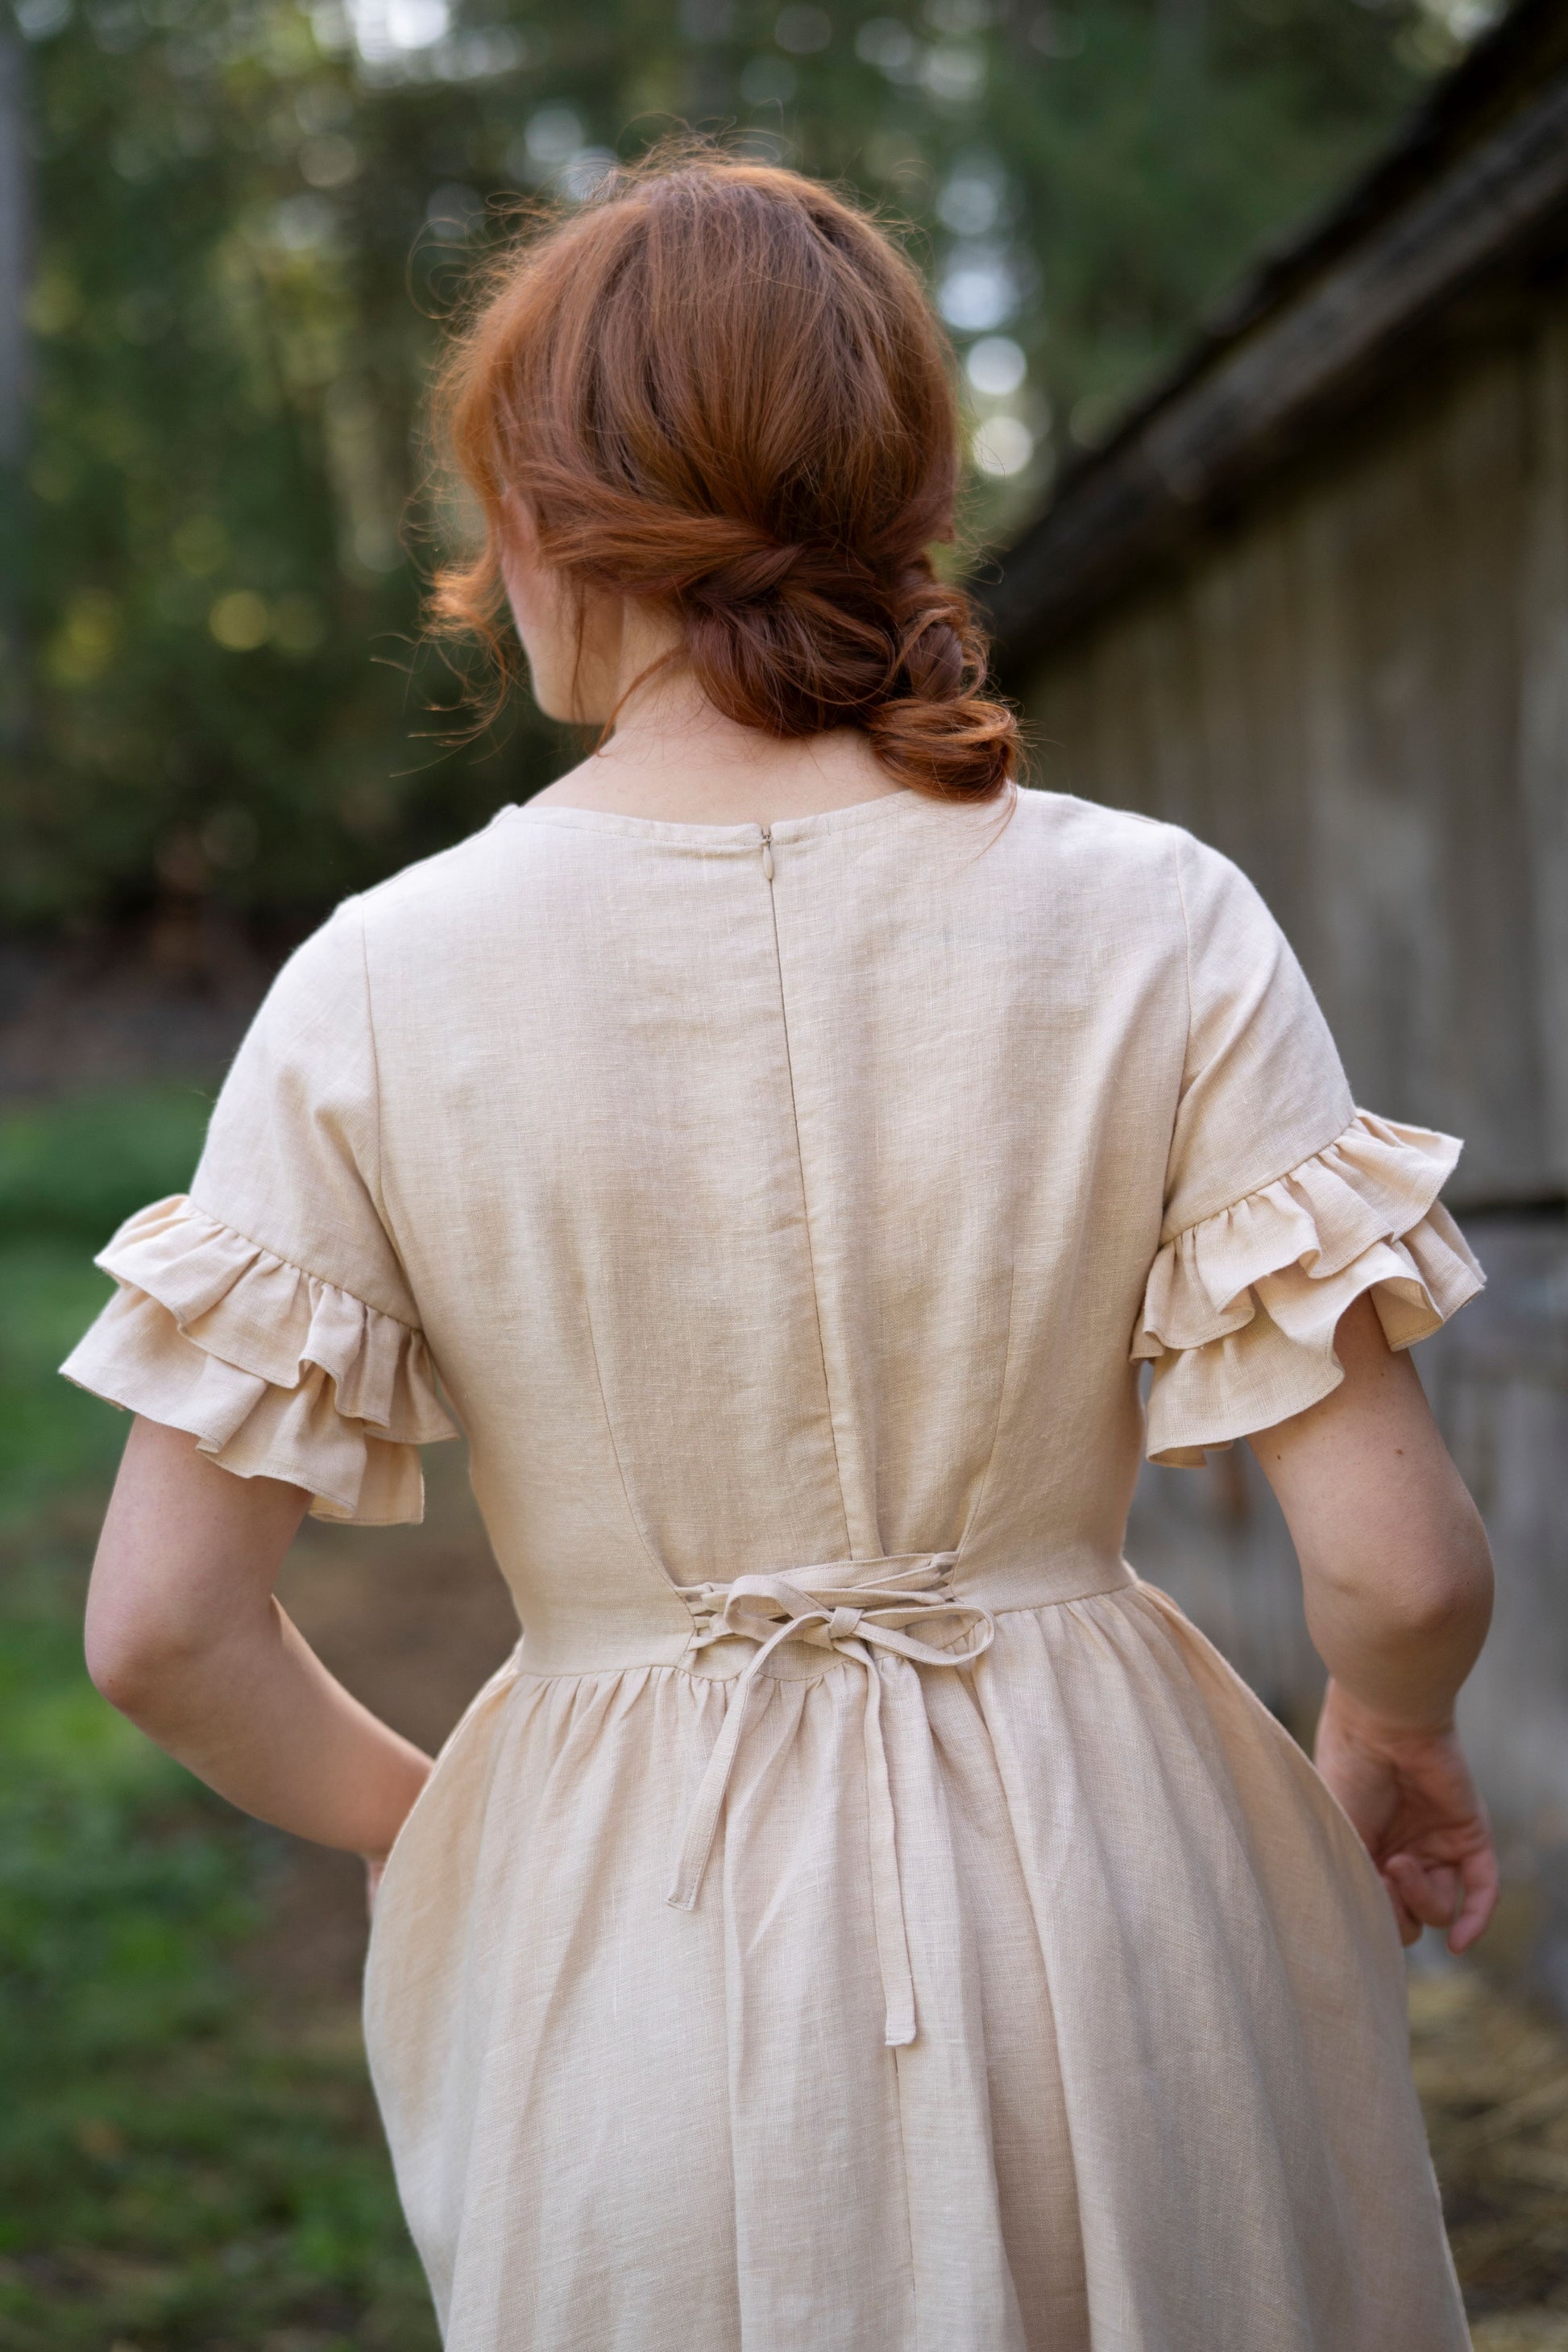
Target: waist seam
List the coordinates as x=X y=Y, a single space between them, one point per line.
x=684 y=1665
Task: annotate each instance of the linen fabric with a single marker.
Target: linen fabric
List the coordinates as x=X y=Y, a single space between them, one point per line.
x=862 y=1913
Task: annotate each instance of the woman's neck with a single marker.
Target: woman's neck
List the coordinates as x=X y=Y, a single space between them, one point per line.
x=674 y=757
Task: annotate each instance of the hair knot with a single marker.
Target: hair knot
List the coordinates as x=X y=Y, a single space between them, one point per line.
x=722 y=388
x=745 y=579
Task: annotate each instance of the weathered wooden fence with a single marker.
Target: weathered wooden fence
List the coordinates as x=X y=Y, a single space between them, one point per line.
x=1357 y=686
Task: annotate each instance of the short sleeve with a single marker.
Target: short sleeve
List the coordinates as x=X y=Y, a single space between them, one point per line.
x=266 y=1312
x=1283 y=1201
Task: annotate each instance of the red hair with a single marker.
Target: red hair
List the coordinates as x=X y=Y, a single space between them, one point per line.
x=721 y=388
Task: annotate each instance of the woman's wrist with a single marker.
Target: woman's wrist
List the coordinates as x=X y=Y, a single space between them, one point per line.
x=1384 y=1730
x=419 y=1767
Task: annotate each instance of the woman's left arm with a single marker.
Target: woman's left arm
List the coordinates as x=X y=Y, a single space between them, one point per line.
x=1397 y=1580
x=184 y=1636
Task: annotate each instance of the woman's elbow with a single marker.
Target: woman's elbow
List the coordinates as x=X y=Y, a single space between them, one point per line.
x=141 y=1656
x=128 y=1660
x=1430 y=1584
x=1455 y=1585
x=181 y=1590
x=1450 y=1603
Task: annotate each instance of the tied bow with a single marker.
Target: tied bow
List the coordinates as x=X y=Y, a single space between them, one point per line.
x=831 y=1608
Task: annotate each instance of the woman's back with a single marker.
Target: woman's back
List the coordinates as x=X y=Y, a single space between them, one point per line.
x=781 y=1199
x=778 y=1206
x=721 y=1191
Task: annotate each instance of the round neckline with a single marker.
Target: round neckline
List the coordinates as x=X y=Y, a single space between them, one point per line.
x=687 y=833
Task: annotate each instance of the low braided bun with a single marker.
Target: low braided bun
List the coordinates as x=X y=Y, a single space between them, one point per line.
x=721 y=389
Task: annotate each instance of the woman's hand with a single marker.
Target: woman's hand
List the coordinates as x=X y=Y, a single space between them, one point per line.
x=1410 y=1794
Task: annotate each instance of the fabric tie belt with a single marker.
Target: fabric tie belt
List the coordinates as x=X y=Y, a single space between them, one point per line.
x=853 y=1608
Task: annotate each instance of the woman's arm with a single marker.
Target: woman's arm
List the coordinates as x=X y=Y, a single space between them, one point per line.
x=184 y=1636
x=1398 y=1585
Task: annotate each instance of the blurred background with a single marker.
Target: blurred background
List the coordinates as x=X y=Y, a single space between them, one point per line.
x=1261 y=318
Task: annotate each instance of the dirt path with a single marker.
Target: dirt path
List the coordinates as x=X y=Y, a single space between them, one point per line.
x=1493 y=2078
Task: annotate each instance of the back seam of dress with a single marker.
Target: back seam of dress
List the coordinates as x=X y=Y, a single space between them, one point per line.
x=804 y=1195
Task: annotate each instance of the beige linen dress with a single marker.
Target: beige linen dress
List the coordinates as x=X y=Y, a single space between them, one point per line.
x=861 y=1917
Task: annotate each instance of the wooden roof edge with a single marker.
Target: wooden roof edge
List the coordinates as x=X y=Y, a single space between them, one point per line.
x=1523 y=49
x=1482 y=164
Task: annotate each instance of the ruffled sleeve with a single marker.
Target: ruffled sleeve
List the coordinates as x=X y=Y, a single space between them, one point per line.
x=275 y=1373
x=1240 y=1310
x=267 y=1314
x=1282 y=1202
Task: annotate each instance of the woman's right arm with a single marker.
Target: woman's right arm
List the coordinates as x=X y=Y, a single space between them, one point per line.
x=184 y=1636
x=1398 y=1585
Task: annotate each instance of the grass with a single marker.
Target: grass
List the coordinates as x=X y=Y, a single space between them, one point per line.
x=1493 y=2078
x=68 y=1174
x=178 y=2167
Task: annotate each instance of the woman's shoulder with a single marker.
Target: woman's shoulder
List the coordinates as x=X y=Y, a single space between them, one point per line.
x=1095 y=848
x=1096 y=830
x=447 y=878
x=1094 y=857
x=438 y=906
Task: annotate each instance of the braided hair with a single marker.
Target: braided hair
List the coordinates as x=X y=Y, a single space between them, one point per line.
x=720 y=388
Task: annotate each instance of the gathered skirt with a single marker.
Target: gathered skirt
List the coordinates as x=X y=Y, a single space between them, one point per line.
x=1158 y=2098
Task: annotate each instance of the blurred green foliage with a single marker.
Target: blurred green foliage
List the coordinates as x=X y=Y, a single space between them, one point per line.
x=52 y=1438
x=79 y=1166
x=174 y=2172
x=70 y=1171
x=253 y=214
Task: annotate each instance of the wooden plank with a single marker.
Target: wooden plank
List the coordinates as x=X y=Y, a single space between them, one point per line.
x=1362 y=695
x=1544 y=720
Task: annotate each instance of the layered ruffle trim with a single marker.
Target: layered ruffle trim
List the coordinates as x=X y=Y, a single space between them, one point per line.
x=276 y=1374
x=1240 y=1310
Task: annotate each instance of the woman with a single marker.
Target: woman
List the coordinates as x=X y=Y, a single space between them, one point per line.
x=861 y=1914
